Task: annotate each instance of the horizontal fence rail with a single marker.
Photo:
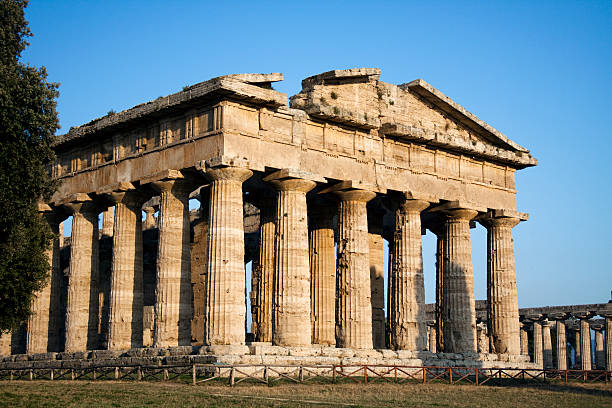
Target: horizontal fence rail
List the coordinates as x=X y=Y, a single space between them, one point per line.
x=266 y=374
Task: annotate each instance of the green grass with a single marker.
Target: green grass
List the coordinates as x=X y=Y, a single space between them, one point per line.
x=121 y=394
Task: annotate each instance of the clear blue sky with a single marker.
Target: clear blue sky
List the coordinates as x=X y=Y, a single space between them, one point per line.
x=540 y=72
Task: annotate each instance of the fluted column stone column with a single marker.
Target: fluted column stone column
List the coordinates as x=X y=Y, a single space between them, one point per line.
x=43 y=324
x=437 y=227
x=432 y=338
x=353 y=303
x=291 y=319
x=107 y=222
x=458 y=303
x=322 y=271
x=125 y=325
x=377 y=276
x=577 y=348
x=482 y=338
x=538 y=356
x=547 y=345
x=224 y=308
x=585 y=340
x=82 y=303
x=149 y=221
x=502 y=301
x=600 y=353
x=173 y=293
x=407 y=323
x=608 y=329
x=263 y=269
x=561 y=341
x=524 y=340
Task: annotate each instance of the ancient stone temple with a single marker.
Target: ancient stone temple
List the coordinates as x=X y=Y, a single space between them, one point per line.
x=306 y=191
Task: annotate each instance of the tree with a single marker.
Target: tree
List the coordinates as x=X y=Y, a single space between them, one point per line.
x=28 y=121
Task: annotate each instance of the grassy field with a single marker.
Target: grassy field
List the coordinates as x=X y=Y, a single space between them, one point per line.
x=120 y=394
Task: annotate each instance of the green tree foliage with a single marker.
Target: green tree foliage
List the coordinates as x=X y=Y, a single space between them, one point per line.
x=28 y=121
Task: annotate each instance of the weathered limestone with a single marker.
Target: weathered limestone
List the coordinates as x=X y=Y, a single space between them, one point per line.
x=561 y=342
x=107 y=222
x=173 y=298
x=43 y=324
x=503 y=316
x=585 y=341
x=458 y=304
x=438 y=229
x=432 y=338
x=600 y=354
x=322 y=271
x=524 y=340
x=291 y=298
x=263 y=269
x=353 y=304
x=538 y=355
x=149 y=221
x=577 y=350
x=126 y=287
x=82 y=303
x=547 y=345
x=406 y=285
x=482 y=338
x=5 y=343
x=225 y=284
x=377 y=277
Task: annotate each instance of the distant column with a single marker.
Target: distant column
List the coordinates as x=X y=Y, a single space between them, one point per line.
x=437 y=228
x=524 y=340
x=585 y=340
x=502 y=301
x=482 y=338
x=538 y=356
x=547 y=345
x=291 y=319
x=600 y=353
x=608 y=341
x=561 y=341
x=353 y=307
x=107 y=222
x=43 y=323
x=407 y=323
x=322 y=271
x=225 y=285
x=432 y=338
x=149 y=221
x=82 y=303
x=173 y=294
x=377 y=277
x=577 y=348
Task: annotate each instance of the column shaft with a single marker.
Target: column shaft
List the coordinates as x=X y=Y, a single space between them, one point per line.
x=538 y=357
x=353 y=307
x=547 y=346
x=107 y=222
x=608 y=329
x=458 y=304
x=503 y=316
x=406 y=285
x=173 y=302
x=585 y=344
x=600 y=354
x=577 y=349
x=82 y=303
x=524 y=341
x=265 y=269
x=432 y=339
x=291 y=305
x=377 y=278
x=126 y=286
x=322 y=274
x=225 y=285
x=561 y=345
x=43 y=324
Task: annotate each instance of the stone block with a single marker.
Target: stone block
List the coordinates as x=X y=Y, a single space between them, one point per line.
x=181 y=350
x=203 y=359
x=222 y=350
x=106 y=354
x=304 y=351
x=339 y=352
x=268 y=349
x=181 y=359
x=388 y=354
x=42 y=356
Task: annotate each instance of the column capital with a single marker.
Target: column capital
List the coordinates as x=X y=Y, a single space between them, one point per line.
x=171 y=180
x=293 y=180
x=501 y=218
x=597 y=327
x=352 y=191
x=583 y=314
x=126 y=193
x=459 y=210
x=559 y=316
x=80 y=203
x=225 y=168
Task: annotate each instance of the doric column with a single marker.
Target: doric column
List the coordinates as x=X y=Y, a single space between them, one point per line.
x=561 y=341
x=524 y=340
x=198 y=267
x=407 y=323
x=600 y=353
x=263 y=268
x=608 y=329
x=82 y=303
x=576 y=345
x=437 y=227
x=149 y=221
x=538 y=356
x=43 y=324
x=353 y=303
x=224 y=307
x=107 y=222
x=291 y=305
x=547 y=345
x=377 y=276
x=432 y=337
x=585 y=340
x=173 y=303
x=458 y=304
x=502 y=300
x=125 y=321
x=5 y=343
x=322 y=271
